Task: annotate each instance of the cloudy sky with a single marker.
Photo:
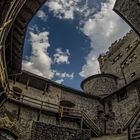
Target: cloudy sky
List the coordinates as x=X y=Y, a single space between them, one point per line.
x=65 y=38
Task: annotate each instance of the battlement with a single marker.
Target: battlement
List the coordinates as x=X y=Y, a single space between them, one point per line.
x=114 y=47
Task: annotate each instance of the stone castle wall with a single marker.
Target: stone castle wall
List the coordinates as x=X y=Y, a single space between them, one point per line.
x=99 y=85
x=52 y=95
x=117 y=62
x=129 y=10
x=18 y=118
x=42 y=131
x=123 y=109
x=88 y=105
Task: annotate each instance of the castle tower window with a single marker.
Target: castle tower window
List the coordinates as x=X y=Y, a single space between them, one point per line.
x=7 y=135
x=128 y=48
x=133 y=74
x=135 y=57
x=122 y=95
x=127 y=63
x=116 y=58
x=122 y=66
x=109 y=106
x=131 y=60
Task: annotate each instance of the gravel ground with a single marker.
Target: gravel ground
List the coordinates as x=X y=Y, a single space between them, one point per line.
x=112 y=137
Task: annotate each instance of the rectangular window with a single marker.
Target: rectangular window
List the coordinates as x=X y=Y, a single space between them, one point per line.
x=122 y=95
x=133 y=74
x=116 y=58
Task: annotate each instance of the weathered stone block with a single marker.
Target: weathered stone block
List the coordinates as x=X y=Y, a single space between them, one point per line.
x=129 y=10
x=42 y=131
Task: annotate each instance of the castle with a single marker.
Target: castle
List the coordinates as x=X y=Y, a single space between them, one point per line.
x=36 y=108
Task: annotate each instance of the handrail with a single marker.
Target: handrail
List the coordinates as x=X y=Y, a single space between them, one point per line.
x=84 y=115
x=43 y=105
x=94 y=124
x=32 y=98
x=33 y=101
x=131 y=119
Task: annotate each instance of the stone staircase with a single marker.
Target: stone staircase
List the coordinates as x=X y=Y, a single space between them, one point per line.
x=84 y=118
x=136 y=132
x=133 y=126
x=91 y=124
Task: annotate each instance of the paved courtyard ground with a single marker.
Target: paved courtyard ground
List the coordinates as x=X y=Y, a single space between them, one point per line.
x=112 y=137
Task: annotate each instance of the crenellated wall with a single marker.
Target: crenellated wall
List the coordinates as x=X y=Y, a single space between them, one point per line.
x=123 y=59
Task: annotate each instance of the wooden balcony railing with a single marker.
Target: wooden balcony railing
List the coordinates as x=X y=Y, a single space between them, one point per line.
x=33 y=102
x=86 y=118
x=61 y=110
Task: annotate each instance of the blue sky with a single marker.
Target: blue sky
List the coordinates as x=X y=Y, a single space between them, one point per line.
x=64 y=39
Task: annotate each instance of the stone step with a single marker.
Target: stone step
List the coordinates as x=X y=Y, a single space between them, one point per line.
x=137 y=130
x=135 y=134
x=138 y=126
x=136 y=138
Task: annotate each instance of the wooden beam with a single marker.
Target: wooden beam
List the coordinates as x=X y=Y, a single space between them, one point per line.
x=47 y=85
x=29 y=9
x=27 y=83
x=81 y=123
x=19 y=31
x=39 y=113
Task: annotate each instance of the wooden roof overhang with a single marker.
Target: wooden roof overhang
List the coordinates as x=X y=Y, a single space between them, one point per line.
x=15 y=40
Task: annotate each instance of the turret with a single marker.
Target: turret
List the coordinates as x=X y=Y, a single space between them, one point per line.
x=100 y=84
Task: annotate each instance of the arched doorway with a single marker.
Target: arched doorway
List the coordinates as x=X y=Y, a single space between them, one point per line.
x=66 y=107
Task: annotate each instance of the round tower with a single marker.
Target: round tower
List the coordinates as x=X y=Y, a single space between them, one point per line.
x=100 y=84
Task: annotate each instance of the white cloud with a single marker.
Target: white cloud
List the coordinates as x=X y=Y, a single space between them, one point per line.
x=103 y=30
x=65 y=9
x=39 y=62
x=54 y=6
x=60 y=81
x=61 y=57
x=102 y=27
x=62 y=8
x=42 y=15
x=63 y=74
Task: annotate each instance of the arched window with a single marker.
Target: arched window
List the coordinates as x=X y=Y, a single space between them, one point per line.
x=7 y=135
x=66 y=103
x=67 y=106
